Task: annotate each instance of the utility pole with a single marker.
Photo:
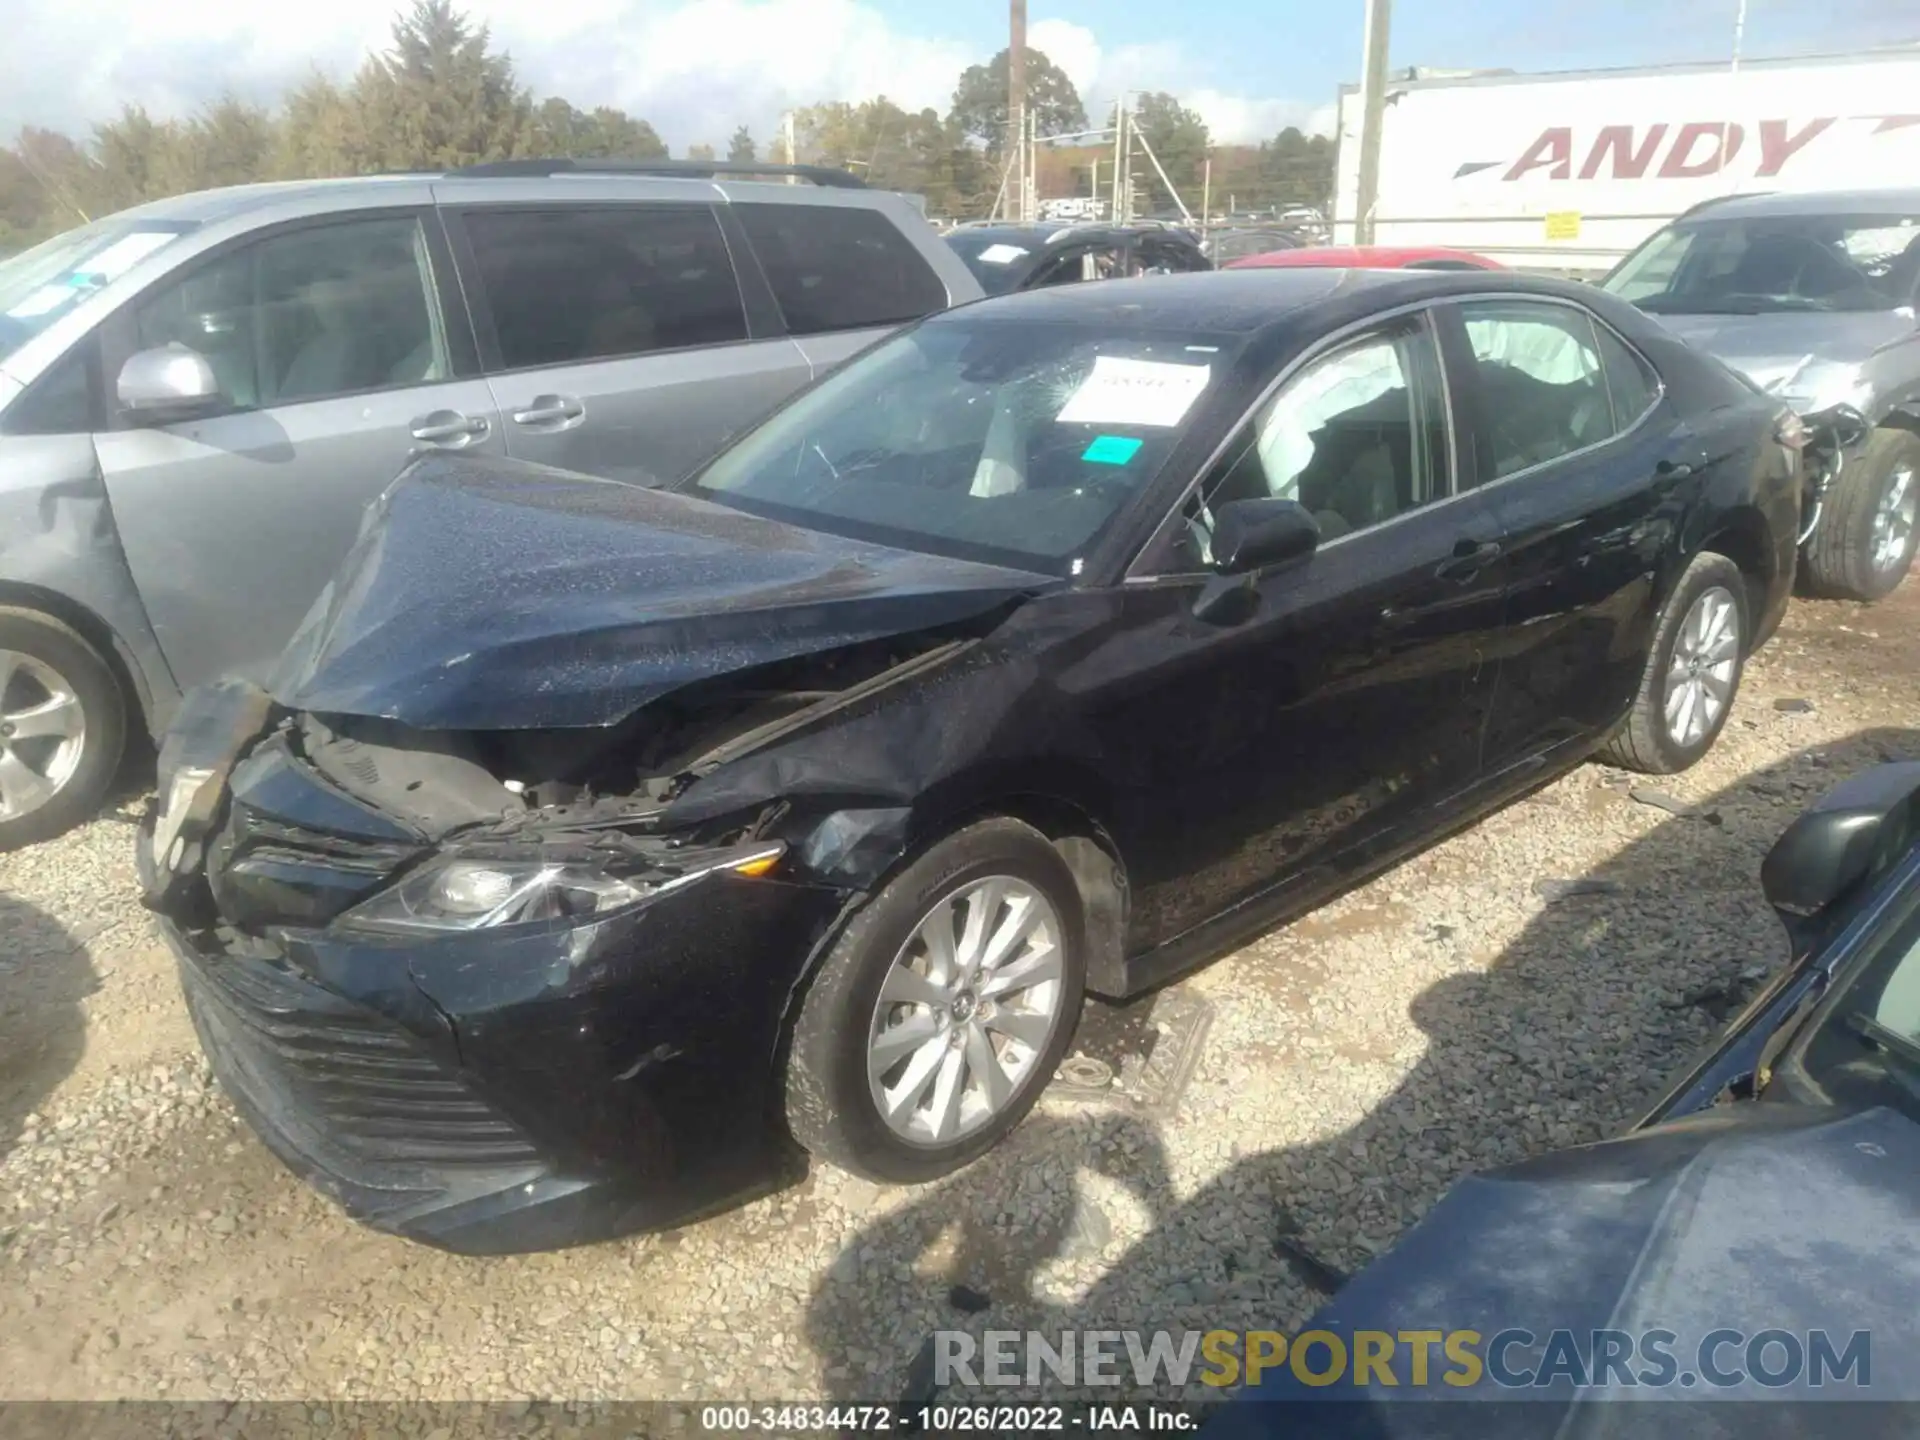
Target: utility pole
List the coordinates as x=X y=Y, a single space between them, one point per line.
x=786 y=140
x=1030 y=209
x=1154 y=160
x=1733 y=88
x=1119 y=160
x=1017 y=105
x=1373 y=114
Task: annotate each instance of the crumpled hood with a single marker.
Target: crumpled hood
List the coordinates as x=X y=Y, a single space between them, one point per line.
x=1808 y=359
x=490 y=594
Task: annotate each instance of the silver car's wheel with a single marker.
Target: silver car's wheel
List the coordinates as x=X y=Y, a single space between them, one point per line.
x=43 y=734
x=1864 y=540
x=1706 y=659
x=967 y=1009
x=1893 y=520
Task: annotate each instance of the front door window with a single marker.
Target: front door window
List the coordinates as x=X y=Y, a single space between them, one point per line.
x=306 y=315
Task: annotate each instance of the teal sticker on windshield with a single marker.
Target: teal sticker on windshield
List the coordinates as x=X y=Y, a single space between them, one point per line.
x=1111 y=450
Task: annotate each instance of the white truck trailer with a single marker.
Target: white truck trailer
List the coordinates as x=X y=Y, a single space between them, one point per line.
x=1568 y=172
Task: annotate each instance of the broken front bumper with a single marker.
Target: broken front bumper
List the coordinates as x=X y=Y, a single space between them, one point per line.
x=522 y=1089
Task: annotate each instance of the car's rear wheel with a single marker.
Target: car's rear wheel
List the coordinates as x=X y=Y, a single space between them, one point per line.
x=941 y=1011
x=1693 y=671
x=62 y=727
x=1864 y=544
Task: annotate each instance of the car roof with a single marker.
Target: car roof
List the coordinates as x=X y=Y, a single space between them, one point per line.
x=1053 y=231
x=1249 y=301
x=1813 y=202
x=206 y=206
x=1222 y=301
x=1360 y=256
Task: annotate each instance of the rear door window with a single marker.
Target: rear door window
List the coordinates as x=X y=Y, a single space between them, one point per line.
x=581 y=283
x=1543 y=391
x=1159 y=254
x=835 y=267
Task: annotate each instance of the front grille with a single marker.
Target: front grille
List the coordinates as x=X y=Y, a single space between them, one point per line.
x=345 y=1086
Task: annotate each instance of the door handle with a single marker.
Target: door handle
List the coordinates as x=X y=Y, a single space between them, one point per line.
x=448 y=429
x=551 y=412
x=1673 y=469
x=1470 y=557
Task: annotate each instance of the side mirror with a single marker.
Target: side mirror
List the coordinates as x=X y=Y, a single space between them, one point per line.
x=168 y=382
x=1850 y=835
x=1253 y=534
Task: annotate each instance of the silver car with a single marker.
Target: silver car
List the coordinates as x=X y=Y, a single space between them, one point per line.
x=1813 y=297
x=199 y=396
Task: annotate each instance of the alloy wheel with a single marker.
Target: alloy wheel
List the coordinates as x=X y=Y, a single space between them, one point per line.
x=1706 y=659
x=967 y=1009
x=1893 y=519
x=43 y=732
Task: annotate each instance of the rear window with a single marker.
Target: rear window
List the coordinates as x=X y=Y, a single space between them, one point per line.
x=840 y=267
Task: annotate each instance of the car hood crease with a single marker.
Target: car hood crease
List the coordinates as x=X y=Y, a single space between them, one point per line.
x=489 y=594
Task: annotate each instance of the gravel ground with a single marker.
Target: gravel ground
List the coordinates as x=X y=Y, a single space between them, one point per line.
x=1460 y=1011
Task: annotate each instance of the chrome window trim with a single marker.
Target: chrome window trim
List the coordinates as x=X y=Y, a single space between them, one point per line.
x=1333 y=340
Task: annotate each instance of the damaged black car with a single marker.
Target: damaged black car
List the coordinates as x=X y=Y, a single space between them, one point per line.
x=597 y=854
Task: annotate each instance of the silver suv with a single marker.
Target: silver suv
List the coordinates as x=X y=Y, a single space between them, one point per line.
x=1813 y=297
x=199 y=396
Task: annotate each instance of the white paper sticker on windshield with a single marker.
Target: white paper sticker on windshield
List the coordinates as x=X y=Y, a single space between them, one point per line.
x=39 y=302
x=1135 y=392
x=1001 y=254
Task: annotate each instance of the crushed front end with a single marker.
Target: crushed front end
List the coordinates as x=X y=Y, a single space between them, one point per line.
x=477 y=1000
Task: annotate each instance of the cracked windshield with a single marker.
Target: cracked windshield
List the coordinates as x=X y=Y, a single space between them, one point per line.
x=759 y=716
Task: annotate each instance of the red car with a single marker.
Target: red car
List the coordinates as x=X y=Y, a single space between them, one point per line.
x=1369 y=257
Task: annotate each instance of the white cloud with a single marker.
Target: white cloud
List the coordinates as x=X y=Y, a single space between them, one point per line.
x=1235 y=118
x=1101 y=75
x=695 y=68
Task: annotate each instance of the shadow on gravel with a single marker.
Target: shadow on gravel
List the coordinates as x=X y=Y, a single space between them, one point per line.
x=1576 y=1027
x=44 y=975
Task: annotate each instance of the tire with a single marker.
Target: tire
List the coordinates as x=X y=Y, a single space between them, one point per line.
x=833 y=1102
x=41 y=661
x=1650 y=741
x=1847 y=557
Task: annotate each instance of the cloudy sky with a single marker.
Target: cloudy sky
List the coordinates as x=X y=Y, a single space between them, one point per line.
x=696 y=68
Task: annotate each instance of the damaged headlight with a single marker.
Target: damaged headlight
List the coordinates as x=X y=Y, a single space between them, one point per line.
x=461 y=893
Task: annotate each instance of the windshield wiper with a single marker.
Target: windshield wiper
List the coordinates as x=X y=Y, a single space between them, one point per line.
x=1901 y=1047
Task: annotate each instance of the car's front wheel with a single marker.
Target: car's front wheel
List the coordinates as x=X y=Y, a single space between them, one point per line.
x=1693 y=671
x=62 y=727
x=1864 y=543
x=942 y=1009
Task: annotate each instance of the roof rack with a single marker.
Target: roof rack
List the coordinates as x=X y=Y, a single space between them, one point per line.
x=684 y=169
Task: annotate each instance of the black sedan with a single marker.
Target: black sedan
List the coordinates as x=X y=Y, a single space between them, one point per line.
x=599 y=852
